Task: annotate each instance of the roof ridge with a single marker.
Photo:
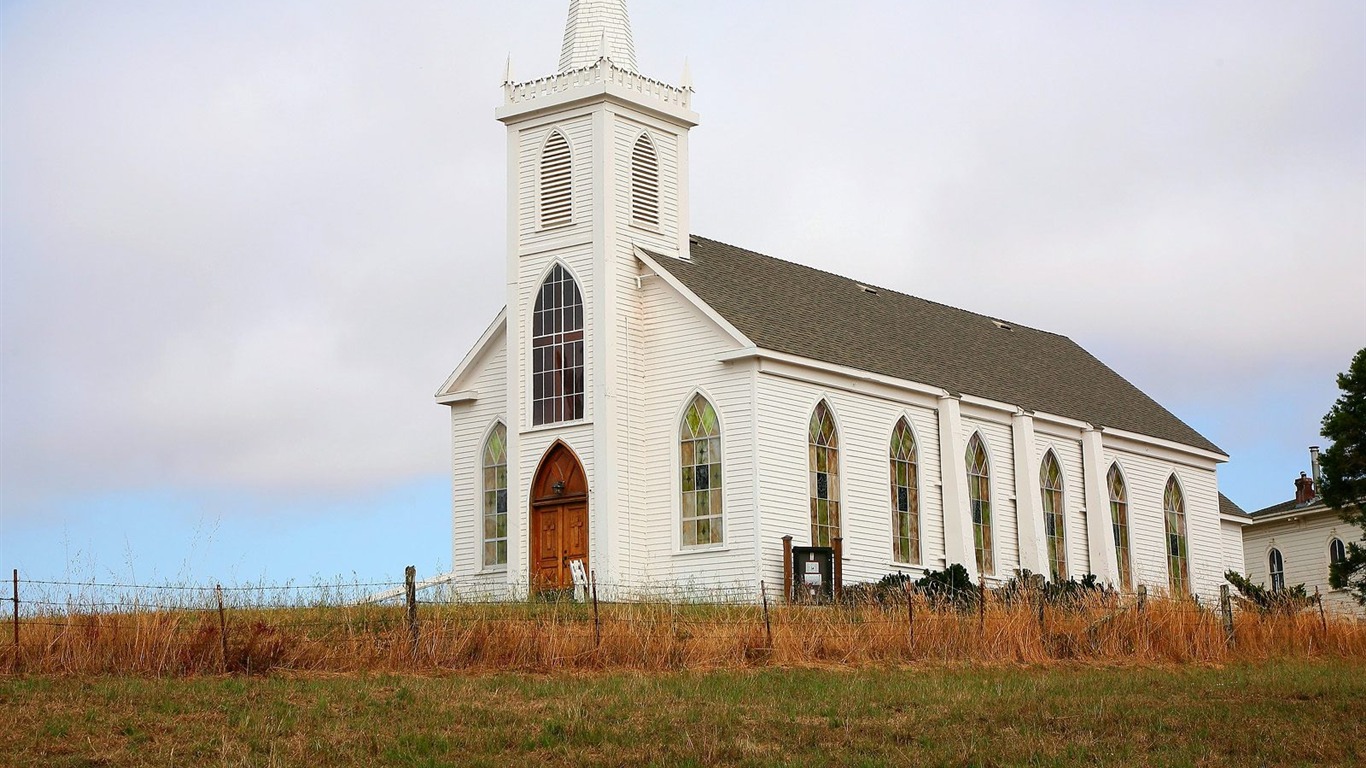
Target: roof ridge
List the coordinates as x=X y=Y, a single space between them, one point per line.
x=1012 y=323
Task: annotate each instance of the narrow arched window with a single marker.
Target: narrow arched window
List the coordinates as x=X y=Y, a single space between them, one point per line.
x=557 y=350
x=979 y=498
x=905 y=496
x=645 y=183
x=1178 y=555
x=557 y=196
x=1276 y=567
x=700 y=459
x=1119 y=523
x=824 y=441
x=1054 y=523
x=496 y=497
x=1337 y=552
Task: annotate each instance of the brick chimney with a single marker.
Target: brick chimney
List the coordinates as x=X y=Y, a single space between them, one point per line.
x=1304 y=489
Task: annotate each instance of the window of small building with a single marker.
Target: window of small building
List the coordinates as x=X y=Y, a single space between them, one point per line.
x=979 y=498
x=824 y=442
x=1119 y=523
x=1178 y=554
x=557 y=355
x=1054 y=522
x=1337 y=553
x=1276 y=567
x=700 y=459
x=496 y=497
x=905 y=496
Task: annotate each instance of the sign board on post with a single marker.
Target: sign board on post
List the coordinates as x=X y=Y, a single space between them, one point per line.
x=813 y=571
x=580 y=576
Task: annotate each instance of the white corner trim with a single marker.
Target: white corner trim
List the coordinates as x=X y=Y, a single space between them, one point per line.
x=692 y=298
x=497 y=327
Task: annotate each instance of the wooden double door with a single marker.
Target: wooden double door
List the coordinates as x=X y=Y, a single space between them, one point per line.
x=559 y=519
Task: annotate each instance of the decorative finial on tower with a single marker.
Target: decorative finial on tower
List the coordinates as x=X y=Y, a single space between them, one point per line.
x=507 y=71
x=686 y=82
x=595 y=25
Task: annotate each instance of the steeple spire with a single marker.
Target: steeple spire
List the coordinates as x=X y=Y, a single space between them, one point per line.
x=596 y=26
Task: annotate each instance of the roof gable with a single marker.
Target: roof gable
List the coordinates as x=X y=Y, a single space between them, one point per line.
x=787 y=307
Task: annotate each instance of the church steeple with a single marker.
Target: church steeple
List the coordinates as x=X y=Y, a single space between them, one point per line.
x=597 y=29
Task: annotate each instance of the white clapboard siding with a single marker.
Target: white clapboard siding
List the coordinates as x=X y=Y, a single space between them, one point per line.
x=1146 y=478
x=1067 y=447
x=470 y=425
x=532 y=271
x=664 y=237
x=1233 y=546
x=1000 y=448
x=1303 y=542
x=680 y=347
x=578 y=130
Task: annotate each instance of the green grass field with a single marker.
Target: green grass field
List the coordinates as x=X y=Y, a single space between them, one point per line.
x=1279 y=713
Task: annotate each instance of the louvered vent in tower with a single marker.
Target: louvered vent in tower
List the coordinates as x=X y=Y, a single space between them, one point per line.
x=557 y=201
x=644 y=183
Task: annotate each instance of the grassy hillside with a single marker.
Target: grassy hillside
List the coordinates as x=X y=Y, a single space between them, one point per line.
x=1278 y=713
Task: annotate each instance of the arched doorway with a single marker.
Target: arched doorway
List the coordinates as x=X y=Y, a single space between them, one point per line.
x=559 y=519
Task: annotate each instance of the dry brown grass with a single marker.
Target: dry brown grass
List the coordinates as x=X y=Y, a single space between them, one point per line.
x=539 y=637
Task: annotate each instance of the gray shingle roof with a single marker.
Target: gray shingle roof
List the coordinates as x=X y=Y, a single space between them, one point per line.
x=1228 y=507
x=798 y=310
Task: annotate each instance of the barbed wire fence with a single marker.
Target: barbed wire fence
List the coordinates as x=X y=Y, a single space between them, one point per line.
x=454 y=623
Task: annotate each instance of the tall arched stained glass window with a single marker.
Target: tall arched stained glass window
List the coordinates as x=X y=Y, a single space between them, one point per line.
x=1178 y=554
x=824 y=444
x=700 y=459
x=496 y=497
x=1276 y=567
x=979 y=499
x=1054 y=520
x=1119 y=523
x=557 y=350
x=905 y=496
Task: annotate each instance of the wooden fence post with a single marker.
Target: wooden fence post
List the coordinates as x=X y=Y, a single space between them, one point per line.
x=787 y=569
x=597 y=625
x=981 y=606
x=838 y=542
x=222 y=625
x=910 y=616
x=410 y=595
x=768 y=627
x=1318 y=598
x=16 y=608
x=1142 y=598
x=1226 y=606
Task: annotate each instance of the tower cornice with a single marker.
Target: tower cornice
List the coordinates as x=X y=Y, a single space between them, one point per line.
x=602 y=80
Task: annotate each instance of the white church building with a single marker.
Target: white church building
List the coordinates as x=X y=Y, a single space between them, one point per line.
x=666 y=408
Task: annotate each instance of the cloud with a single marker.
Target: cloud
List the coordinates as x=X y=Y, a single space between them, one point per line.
x=242 y=244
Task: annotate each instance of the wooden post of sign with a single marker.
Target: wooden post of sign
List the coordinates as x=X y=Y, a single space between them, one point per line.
x=16 y=609
x=597 y=625
x=222 y=626
x=1226 y=607
x=1318 y=598
x=787 y=569
x=768 y=627
x=1142 y=598
x=838 y=542
x=410 y=596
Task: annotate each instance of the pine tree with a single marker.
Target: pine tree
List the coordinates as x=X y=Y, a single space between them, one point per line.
x=1343 y=467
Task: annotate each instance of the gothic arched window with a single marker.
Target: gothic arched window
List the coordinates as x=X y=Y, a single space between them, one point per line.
x=557 y=197
x=699 y=444
x=979 y=498
x=645 y=182
x=1054 y=522
x=905 y=496
x=1119 y=523
x=824 y=443
x=1337 y=552
x=557 y=350
x=1276 y=566
x=1178 y=555
x=496 y=497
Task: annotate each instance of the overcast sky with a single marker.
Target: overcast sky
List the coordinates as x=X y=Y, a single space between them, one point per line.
x=241 y=244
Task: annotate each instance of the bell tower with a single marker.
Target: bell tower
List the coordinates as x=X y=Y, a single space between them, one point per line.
x=597 y=166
